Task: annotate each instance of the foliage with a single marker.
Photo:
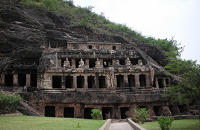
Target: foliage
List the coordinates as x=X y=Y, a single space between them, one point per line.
x=9 y=102
x=96 y=113
x=165 y=122
x=188 y=77
x=47 y=123
x=141 y=114
x=185 y=124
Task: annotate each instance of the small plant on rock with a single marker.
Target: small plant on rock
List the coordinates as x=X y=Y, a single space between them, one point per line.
x=96 y=113
x=141 y=115
x=165 y=122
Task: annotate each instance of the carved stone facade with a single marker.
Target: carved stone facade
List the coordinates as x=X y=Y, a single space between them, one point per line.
x=87 y=75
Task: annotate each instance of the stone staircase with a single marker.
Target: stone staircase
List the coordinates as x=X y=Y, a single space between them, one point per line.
x=26 y=108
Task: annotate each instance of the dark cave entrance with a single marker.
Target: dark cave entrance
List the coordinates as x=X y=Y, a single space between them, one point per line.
x=106 y=112
x=142 y=80
x=183 y=108
x=90 y=81
x=34 y=80
x=120 y=80
x=21 y=79
x=171 y=108
x=8 y=80
x=131 y=80
x=123 y=111
x=57 y=82
x=69 y=82
x=69 y=112
x=122 y=61
x=157 y=110
x=160 y=83
x=80 y=81
x=92 y=63
x=50 y=111
x=87 y=112
x=102 y=83
x=107 y=62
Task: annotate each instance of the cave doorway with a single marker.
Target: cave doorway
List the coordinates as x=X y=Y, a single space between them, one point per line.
x=80 y=82
x=161 y=83
x=69 y=82
x=87 y=112
x=183 y=108
x=8 y=80
x=131 y=80
x=92 y=63
x=69 y=112
x=124 y=111
x=142 y=80
x=57 y=82
x=171 y=108
x=107 y=62
x=122 y=61
x=33 y=80
x=50 y=111
x=21 y=79
x=102 y=83
x=91 y=82
x=157 y=110
x=120 y=80
x=106 y=112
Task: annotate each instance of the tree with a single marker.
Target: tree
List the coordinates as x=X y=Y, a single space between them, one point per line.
x=188 y=76
x=141 y=114
x=96 y=113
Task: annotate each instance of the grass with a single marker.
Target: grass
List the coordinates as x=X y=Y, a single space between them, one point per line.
x=186 y=124
x=48 y=123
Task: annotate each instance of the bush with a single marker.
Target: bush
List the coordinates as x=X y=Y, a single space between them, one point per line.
x=96 y=113
x=165 y=122
x=141 y=114
x=9 y=102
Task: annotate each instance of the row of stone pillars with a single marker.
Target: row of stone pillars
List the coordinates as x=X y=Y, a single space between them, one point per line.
x=100 y=81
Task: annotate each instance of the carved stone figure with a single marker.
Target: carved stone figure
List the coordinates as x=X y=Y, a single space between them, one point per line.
x=111 y=77
x=81 y=64
x=139 y=62
x=97 y=63
x=128 y=62
x=66 y=63
x=117 y=62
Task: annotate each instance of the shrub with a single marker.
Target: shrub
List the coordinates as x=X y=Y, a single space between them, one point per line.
x=9 y=102
x=96 y=113
x=141 y=114
x=165 y=122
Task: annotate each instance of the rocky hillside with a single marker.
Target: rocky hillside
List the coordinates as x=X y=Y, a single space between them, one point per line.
x=26 y=30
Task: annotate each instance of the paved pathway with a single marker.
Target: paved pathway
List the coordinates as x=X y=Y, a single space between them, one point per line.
x=120 y=126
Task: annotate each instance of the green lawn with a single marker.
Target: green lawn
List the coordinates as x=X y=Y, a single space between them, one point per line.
x=47 y=123
x=186 y=124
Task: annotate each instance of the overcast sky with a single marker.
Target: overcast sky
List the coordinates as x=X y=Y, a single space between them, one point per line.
x=157 y=18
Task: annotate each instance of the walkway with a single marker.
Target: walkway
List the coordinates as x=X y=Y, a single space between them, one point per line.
x=120 y=126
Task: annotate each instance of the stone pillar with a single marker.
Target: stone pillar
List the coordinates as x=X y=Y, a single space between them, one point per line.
x=15 y=80
x=137 y=80
x=85 y=82
x=63 y=81
x=115 y=81
x=156 y=82
x=87 y=63
x=59 y=63
x=164 y=82
x=2 y=82
x=74 y=81
x=126 y=80
x=166 y=111
x=147 y=80
x=59 y=111
x=28 y=80
x=78 y=113
x=73 y=64
x=96 y=80
x=101 y=62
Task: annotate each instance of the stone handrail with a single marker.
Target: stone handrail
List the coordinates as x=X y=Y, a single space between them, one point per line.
x=134 y=125
x=106 y=125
